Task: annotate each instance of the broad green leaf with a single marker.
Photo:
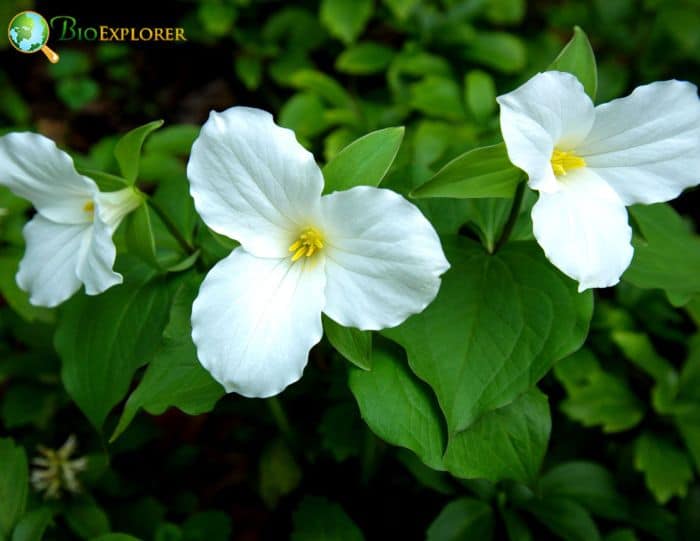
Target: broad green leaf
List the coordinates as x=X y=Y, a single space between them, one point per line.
x=498 y=50
x=279 y=473
x=399 y=408
x=497 y=326
x=174 y=378
x=596 y=397
x=364 y=162
x=639 y=350
x=303 y=113
x=439 y=97
x=667 y=255
x=13 y=295
x=480 y=172
x=119 y=332
x=317 y=519
x=353 y=344
x=565 y=518
x=438 y=481
x=249 y=70
x=588 y=484
x=666 y=469
x=345 y=20
x=175 y=140
x=578 y=59
x=324 y=86
x=32 y=525
x=128 y=149
x=515 y=526
x=465 y=519
x=480 y=94
x=507 y=443
x=77 y=92
x=86 y=519
x=105 y=181
x=364 y=58
x=139 y=235
x=14 y=482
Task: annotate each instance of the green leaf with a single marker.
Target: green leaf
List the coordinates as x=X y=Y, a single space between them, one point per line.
x=506 y=443
x=515 y=526
x=498 y=50
x=32 y=525
x=401 y=8
x=27 y=403
x=595 y=396
x=399 y=408
x=139 y=235
x=86 y=519
x=666 y=469
x=621 y=535
x=14 y=482
x=639 y=350
x=105 y=181
x=175 y=140
x=345 y=20
x=353 y=344
x=588 y=484
x=174 y=378
x=128 y=149
x=565 y=518
x=119 y=332
x=207 y=526
x=279 y=473
x=480 y=172
x=505 y=11
x=667 y=255
x=324 y=86
x=303 y=113
x=438 y=96
x=77 y=92
x=480 y=93
x=578 y=59
x=250 y=71
x=497 y=326
x=364 y=162
x=13 y=295
x=342 y=431
x=364 y=58
x=317 y=519
x=464 y=519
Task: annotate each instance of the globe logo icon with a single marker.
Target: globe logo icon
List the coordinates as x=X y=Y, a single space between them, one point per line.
x=29 y=32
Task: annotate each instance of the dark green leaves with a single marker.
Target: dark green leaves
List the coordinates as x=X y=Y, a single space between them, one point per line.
x=317 y=519
x=353 y=344
x=364 y=161
x=128 y=149
x=103 y=340
x=462 y=520
x=14 y=482
x=667 y=470
x=481 y=172
x=578 y=58
x=345 y=20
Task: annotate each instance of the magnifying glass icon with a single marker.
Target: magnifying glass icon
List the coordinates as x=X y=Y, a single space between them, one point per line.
x=29 y=32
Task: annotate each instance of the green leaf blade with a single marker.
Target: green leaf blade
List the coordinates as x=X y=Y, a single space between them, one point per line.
x=578 y=59
x=128 y=149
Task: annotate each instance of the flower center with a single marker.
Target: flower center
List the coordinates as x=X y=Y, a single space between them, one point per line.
x=564 y=160
x=89 y=207
x=309 y=242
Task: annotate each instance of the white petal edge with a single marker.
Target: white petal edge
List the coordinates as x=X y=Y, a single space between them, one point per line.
x=551 y=110
x=584 y=230
x=112 y=207
x=48 y=269
x=383 y=258
x=255 y=320
x=647 y=145
x=33 y=167
x=96 y=259
x=252 y=181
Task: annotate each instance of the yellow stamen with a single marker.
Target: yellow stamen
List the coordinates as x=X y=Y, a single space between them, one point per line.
x=564 y=160
x=309 y=242
x=89 y=207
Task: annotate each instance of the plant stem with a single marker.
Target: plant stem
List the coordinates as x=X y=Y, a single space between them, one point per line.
x=172 y=228
x=512 y=217
x=281 y=420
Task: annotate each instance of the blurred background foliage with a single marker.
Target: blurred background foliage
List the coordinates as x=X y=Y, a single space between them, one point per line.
x=625 y=446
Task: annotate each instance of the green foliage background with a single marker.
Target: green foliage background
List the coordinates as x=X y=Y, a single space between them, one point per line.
x=574 y=417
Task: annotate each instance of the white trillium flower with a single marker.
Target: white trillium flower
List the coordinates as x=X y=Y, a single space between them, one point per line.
x=588 y=163
x=69 y=240
x=365 y=257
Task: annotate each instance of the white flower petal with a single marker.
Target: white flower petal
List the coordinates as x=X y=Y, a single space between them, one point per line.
x=255 y=320
x=550 y=110
x=33 y=167
x=252 y=181
x=584 y=230
x=97 y=255
x=647 y=145
x=47 y=270
x=112 y=207
x=383 y=258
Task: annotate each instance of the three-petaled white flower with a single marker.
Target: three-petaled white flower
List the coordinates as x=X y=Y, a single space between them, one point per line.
x=366 y=257
x=69 y=240
x=588 y=163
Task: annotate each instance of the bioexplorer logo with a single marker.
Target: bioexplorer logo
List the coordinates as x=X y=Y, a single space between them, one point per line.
x=29 y=32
